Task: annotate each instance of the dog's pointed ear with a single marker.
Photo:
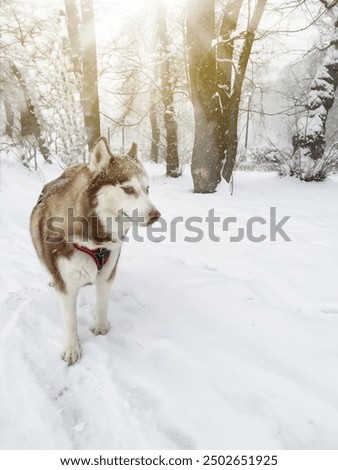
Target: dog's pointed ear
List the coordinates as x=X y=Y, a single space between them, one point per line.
x=133 y=150
x=100 y=155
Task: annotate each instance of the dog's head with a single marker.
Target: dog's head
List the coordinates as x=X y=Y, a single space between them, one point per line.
x=121 y=185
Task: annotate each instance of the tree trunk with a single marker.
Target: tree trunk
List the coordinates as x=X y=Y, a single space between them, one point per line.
x=207 y=153
x=73 y=21
x=153 y=117
x=225 y=51
x=215 y=88
x=9 y=117
x=155 y=129
x=170 y=122
x=235 y=99
x=29 y=121
x=89 y=65
x=309 y=140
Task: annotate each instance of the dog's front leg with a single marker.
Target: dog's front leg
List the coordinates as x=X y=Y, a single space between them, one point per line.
x=71 y=352
x=101 y=324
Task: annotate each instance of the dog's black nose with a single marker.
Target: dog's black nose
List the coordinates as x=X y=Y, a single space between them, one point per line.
x=153 y=216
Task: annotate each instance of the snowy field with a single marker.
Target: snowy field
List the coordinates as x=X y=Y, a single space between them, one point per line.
x=212 y=346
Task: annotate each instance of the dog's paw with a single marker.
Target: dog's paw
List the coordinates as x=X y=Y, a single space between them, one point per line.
x=71 y=354
x=100 y=329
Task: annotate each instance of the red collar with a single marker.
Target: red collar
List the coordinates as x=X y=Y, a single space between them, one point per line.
x=99 y=255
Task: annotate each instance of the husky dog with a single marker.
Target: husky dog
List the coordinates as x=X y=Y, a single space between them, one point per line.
x=85 y=250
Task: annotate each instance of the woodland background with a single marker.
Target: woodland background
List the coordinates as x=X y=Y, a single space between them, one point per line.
x=220 y=85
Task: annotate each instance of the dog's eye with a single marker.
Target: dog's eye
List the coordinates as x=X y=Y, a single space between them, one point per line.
x=147 y=189
x=128 y=189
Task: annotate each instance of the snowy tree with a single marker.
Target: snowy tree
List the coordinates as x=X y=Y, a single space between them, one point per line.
x=90 y=97
x=73 y=20
x=167 y=89
x=232 y=99
x=144 y=74
x=309 y=162
x=207 y=155
x=38 y=86
x=154 y=118
x=218 y=61
x=82 y=38
x=129 y=76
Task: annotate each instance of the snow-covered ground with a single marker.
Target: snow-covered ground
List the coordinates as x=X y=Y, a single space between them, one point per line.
x=213 y=345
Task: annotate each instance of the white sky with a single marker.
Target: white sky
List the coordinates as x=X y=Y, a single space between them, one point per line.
x=111 y=14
